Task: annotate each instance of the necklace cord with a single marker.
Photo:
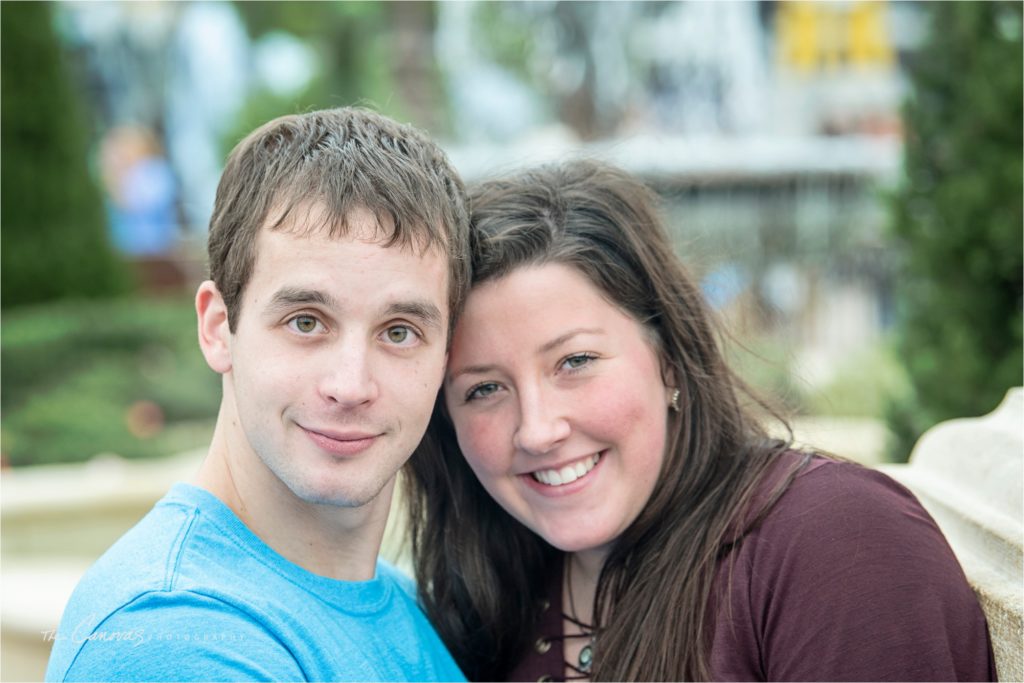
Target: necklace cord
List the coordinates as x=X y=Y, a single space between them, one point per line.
x=586 y=657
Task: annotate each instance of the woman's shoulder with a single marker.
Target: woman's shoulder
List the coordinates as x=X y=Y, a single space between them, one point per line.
x=838 y=520
x=832 y=507
x=847 y=576
x=847 y=531
x=826 y=490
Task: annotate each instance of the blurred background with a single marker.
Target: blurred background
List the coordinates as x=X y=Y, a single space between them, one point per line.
x=843 y=178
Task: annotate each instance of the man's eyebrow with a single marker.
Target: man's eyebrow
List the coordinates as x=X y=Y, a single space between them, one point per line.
x=426 y=312
x=294 y=296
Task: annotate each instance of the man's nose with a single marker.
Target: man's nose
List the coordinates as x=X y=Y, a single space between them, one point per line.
x=349 y=380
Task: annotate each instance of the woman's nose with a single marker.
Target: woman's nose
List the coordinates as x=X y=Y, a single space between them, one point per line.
x=542 y=426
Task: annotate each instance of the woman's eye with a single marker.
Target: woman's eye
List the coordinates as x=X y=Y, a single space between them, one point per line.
x=306 y=324
x=400 y=335
x=576 y=362
x=481 y=391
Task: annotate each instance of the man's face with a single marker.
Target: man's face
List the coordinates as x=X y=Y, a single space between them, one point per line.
x=336 y=359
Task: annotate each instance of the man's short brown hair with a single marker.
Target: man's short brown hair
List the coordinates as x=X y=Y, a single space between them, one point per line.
x=328 y=163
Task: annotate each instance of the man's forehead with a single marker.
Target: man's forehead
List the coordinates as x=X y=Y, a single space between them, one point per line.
x=357 y=222
x=291 y=261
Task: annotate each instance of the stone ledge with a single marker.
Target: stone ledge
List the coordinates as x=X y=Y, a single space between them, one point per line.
x=969 y=475
x=102 y=481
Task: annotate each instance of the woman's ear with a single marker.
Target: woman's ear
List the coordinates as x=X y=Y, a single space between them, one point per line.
x=668 y=374
x=214 y=335
x=672 y=388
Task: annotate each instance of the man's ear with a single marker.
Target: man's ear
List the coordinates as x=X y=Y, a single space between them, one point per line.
x=214 y=335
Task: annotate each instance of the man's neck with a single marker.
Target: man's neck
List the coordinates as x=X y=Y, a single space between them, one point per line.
x=328 y=540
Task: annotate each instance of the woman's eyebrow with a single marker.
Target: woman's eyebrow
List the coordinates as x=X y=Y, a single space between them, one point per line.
x=471 y=370
x=561 y=339
x=546 y=347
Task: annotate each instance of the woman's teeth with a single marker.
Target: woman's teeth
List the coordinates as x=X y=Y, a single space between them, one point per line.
x=567 y=474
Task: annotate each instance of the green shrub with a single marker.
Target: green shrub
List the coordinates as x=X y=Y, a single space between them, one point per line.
x=958 y=218
x=54 y=242
x=75 y=372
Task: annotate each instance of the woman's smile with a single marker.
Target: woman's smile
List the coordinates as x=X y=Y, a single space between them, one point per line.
x=559 y=404
x=567 y=474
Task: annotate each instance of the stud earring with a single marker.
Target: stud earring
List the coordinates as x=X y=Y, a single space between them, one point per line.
x=674 y=403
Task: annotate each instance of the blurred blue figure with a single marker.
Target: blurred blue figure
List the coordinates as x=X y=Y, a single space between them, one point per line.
x=142 y=193
x=723 y=285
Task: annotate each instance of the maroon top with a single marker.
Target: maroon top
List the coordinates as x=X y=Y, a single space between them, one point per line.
x=846 y=579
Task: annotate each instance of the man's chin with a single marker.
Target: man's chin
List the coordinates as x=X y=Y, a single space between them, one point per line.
x=348 y=497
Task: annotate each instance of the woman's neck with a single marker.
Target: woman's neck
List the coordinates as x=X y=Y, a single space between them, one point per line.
x=586 y=567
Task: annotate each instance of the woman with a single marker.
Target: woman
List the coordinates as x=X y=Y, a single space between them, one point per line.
x=594 y=498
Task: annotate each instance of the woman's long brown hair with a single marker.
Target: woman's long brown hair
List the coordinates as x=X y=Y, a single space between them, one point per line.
x=481 y=573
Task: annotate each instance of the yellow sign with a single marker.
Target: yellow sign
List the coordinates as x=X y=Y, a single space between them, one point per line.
x=815 y=36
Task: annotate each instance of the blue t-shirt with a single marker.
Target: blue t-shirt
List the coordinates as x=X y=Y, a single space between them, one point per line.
x=190 y=593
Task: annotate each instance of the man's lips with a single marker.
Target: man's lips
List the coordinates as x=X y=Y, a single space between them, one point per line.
x=346 y=443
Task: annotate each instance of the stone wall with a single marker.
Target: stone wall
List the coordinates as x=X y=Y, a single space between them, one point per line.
x=969 y=474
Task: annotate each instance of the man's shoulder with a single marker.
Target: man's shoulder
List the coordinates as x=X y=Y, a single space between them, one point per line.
x=177 y=575
x=143 y=559
x=149 y=555
x=171 y=635
x=214 y=633
x=189 y=595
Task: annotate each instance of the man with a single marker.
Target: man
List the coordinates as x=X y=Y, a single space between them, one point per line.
x=337 y=261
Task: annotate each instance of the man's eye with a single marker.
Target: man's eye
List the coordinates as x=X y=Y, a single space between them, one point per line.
x=401 y=335
x=306 y=324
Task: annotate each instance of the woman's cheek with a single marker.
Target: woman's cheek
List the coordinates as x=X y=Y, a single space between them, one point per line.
x=480 y=439
x=611 y=404
x=625 y=413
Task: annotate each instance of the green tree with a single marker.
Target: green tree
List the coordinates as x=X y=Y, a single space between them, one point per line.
x=958 y=218
x=54 y=239
x=371 y=53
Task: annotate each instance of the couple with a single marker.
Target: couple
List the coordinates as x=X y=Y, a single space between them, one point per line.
x=589 y=496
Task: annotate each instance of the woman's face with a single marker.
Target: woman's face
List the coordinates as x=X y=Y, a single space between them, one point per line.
x=559 y=404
